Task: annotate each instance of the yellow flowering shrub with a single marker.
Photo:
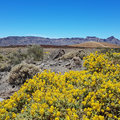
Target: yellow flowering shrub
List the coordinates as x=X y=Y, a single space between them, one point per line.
x=116 y=54
x=77 y=95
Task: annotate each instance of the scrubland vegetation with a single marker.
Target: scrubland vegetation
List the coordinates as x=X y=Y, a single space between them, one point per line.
x=92 y=94
x=21 y=72
x=10 y=58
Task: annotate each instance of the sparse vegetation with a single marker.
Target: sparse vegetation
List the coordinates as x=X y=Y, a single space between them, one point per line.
x=92 y=94
x=35 y=52
x=4 y=64
x=1 y=57
x=104 y=50
x=21 y=72
x=17 y=57
x=112 y=54
x=4 y=67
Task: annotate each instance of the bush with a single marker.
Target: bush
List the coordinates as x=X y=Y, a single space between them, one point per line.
x=4 y=64
x=21 y=72
x=109 y=50
x=116 y=58
x=76 y=95
x=4 y=67
x=96 y=62
x=35 y=52
x=112 y=54
x=1 y=58
x=17 y=57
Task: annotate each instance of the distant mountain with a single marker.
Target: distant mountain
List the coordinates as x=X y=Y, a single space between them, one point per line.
x=28 y=40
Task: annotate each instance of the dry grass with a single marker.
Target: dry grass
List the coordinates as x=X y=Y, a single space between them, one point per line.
x=93 y=44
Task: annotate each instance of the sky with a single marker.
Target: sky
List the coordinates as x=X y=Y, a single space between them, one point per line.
x=60 y=18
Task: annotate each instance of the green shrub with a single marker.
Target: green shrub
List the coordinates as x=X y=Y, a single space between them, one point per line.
x=21 y=72
x=1 y=57
x=35 y=52
x=17 y=57
x=109 y=50
x=4 y=67
x=110 y=54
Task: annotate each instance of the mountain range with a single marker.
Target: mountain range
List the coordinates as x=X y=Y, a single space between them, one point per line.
x=28 y=40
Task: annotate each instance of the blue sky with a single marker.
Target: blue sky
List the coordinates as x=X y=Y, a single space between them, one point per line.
x=60 y=18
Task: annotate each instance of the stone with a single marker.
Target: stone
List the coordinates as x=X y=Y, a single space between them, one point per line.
x=77 y=60
x=81 y=54
x=1 y=99
x=69 y=55
x=57 y=54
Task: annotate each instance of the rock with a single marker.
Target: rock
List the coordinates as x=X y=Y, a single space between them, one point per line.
x=6 y=89
x=81 y=54
x=57 y=54
x=1 y=99
x=72 y=54
x=42 y=65
x=77 y=60
x=60 y=61
x=69 y=55
x=52 y=63
x=68 y=64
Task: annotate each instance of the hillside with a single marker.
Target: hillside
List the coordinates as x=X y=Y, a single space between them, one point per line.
x=27 y=40
x=93 y=44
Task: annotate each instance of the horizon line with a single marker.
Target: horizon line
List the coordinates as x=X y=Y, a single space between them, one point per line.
x=55 y=37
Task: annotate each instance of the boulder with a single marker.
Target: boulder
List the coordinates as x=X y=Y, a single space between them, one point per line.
x=81 y=54
x=57 y=54
x=69 y=55
x=77 y=60
x=72 y=54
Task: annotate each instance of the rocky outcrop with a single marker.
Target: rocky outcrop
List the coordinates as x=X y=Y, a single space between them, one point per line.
x=72 y=54
x=57 y=54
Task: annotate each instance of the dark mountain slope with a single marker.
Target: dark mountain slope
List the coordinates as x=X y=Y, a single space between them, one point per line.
x=28 y=40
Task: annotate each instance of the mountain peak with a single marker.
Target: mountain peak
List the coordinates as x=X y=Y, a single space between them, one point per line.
x=111 y=38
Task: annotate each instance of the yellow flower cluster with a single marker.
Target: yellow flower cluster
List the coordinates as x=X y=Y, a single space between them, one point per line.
x=116 y=54
x=77 y=95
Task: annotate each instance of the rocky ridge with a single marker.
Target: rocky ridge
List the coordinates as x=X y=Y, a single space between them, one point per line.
x=28 y=40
